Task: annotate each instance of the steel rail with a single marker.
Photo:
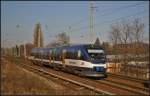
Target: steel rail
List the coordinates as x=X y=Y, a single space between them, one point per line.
x=97 y=90
x=127 y=78
x=130 y=88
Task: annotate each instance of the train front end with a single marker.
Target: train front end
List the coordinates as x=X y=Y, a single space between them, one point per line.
x=96 y=58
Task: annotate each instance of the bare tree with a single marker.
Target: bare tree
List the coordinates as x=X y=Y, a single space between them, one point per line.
x=124 y=38
x=138 y=30
x=114 y=38
x=127 y=34
x=61 y=39
x=137 y=36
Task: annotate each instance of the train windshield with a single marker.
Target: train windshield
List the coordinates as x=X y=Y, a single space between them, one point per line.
x=96 y=54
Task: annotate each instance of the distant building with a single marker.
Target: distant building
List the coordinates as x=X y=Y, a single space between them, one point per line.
x=38 y=36
x=28 y=47
x=25 y=49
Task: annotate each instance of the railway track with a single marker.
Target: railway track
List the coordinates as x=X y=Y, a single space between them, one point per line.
x=134 y=83
x=97 y=86
x=67 y=80
x=127 y=78
x=134 y=89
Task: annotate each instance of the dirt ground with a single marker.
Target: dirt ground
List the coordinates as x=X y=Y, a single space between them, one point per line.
x=18 y=81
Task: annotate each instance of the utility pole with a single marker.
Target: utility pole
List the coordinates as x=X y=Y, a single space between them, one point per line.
x=24 y=50
x=69 y=34
x=18 y=48
x=91 y=20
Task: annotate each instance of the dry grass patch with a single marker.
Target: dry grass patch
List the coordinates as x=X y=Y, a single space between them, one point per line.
x=16 y=80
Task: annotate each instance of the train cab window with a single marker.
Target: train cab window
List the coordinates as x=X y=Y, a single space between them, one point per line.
x=96 y=54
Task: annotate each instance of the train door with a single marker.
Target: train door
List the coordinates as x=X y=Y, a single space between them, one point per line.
x=53 y=54
x=63 y=57
x=41 y=57
x=50 y=57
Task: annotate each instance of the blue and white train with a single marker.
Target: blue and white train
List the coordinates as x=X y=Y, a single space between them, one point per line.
x=84 y=60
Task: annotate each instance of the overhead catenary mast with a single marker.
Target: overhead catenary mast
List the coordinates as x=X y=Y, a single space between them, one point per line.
x=91 y=21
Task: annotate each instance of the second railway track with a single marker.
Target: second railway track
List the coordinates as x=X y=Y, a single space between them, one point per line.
x=134 y=89
x=128 y=82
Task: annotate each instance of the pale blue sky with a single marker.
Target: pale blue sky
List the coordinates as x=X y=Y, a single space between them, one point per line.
x=59 y=15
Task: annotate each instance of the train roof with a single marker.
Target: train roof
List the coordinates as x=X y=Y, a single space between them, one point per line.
x=73 y=45
x=80 y=45
x=87 y=46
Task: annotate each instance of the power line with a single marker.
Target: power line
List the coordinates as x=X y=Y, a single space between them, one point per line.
x=109 y=13
x=122 y=17
x=124 y=7
x=146 y=25
x=102 y=23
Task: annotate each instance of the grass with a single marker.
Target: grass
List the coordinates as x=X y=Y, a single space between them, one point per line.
x=16 y=81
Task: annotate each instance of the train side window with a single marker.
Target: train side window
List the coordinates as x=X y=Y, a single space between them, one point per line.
x=54 y=53
x=43 y=55
x=32 y=54
x=73 y=54
x=67 y=54
x=37 y=55
x=58 y=54
x=46 y=56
